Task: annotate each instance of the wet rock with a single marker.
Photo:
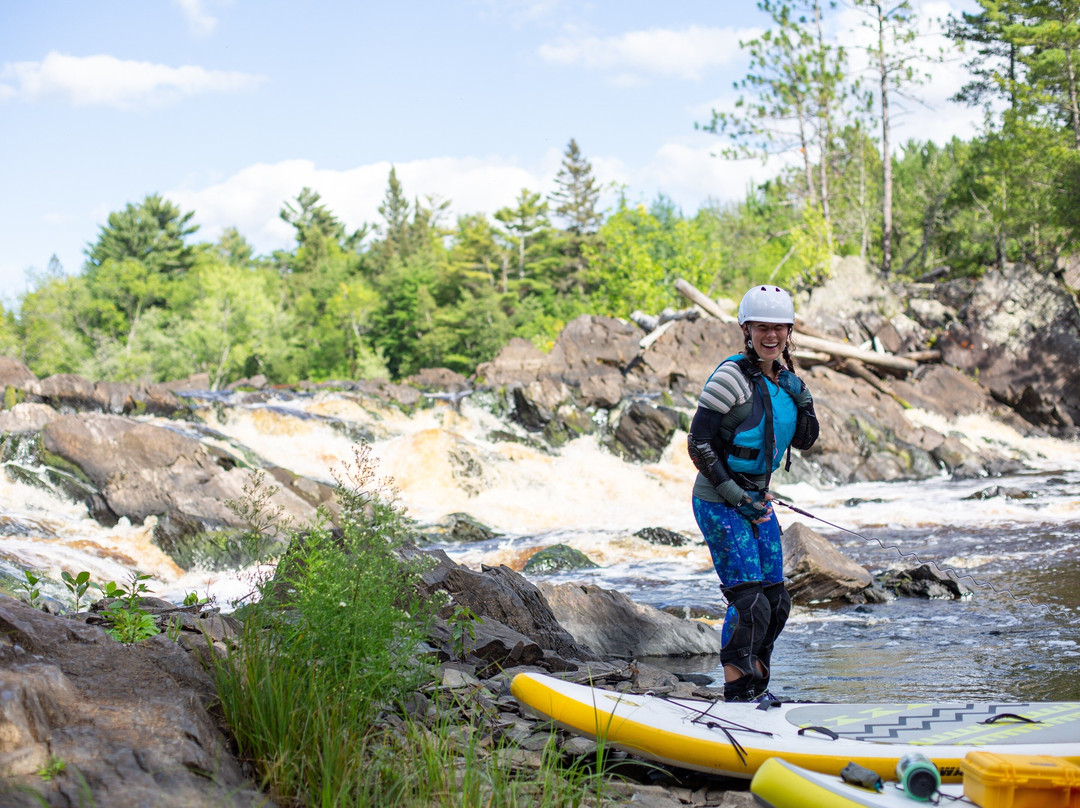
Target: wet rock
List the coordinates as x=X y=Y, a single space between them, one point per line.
x=613 y=625
x=535 y=404
x=686 y=354
x=924 y=581
x=437 y=380
x=644 y=431
x=697 y=611
x=1004 y=492
x=26 y=417
x=817 y=572
x=129 y=721
x=663 y=536
x=142 y=470
x=558 y=558
x=866 y=436
x=517 y=364
x=16 y=376
x=460 y=527
x=502 y=594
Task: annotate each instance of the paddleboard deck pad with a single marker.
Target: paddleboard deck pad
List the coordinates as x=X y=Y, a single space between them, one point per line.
x=734 y=740
x=779 y=784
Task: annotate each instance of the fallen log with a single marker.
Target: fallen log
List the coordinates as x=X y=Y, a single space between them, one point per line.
x=845 y=351
x=706 y=303
x=812 y=343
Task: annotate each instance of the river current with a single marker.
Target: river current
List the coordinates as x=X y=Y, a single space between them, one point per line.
x=1017 y=637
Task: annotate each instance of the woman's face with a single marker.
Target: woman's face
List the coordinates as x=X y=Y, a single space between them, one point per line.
x=769 y=339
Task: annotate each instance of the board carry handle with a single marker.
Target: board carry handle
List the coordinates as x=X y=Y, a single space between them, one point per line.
x=823 y=730
x=1023 y=719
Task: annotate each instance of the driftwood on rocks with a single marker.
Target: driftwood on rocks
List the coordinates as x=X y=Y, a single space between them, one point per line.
x=830 y=347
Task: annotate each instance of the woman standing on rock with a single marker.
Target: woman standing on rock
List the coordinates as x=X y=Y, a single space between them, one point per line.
x=753 y=408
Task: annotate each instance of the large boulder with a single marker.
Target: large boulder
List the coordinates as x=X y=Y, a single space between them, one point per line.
x=1020 y=332
x=817 y=572
x=686 y=354
x=613 y=625
x=131 y=722
x=69 y=393
x=517 y=364
x=140 y=470
x=865 y=434
x=644 y=431
x=505 y=596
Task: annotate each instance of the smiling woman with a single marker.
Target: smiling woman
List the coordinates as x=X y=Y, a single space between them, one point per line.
x=753 y=408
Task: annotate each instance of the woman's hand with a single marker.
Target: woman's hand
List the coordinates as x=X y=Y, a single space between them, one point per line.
x=755 y=507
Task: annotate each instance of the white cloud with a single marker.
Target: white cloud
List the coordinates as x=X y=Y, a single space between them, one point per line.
x=251 y=199
x=108 y=81
x=632 y=56
x=199 y=20
x=689 y=172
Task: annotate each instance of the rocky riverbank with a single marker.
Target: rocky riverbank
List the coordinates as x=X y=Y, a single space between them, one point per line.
x=139 y=724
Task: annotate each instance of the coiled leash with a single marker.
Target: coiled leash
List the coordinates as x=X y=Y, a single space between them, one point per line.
x=947 y=571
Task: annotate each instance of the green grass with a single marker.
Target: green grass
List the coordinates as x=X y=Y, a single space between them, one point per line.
x=313 y=687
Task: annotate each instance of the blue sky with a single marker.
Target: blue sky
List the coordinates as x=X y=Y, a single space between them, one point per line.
x=230 y=107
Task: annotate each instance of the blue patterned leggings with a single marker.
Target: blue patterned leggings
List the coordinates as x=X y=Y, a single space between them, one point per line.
x=737 y=554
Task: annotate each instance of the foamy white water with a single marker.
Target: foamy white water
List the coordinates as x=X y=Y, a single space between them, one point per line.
x=444 y=461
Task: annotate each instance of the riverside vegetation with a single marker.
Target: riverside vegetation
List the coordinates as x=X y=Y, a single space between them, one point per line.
x=318 y=687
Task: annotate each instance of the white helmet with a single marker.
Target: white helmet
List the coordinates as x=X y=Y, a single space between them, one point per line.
x=766 y=304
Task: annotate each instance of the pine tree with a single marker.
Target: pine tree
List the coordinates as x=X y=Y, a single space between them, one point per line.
x=577 y=192
x=151 y=232
x=395 y=210
x=521 y=223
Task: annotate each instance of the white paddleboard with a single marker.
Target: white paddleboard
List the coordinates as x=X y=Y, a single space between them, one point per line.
x=736 y=739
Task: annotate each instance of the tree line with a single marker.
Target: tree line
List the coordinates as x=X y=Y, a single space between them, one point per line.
x=415 y=290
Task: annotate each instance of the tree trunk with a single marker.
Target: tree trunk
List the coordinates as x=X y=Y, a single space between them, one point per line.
x=886 y=155
x=1073 y=104
x=804 y=143
x=825 y=112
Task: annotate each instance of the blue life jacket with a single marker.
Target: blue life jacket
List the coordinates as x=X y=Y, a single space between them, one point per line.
x=757 y=445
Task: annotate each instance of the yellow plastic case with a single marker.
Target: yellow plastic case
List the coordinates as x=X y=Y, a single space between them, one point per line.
x=1020 y=781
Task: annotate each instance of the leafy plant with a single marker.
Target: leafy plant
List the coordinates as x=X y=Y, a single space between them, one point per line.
x=128 y=623
x=76 y=585
x=31 y=592
x=461 y=627
x=53 y=767
x=193 y=599
x=130 y=626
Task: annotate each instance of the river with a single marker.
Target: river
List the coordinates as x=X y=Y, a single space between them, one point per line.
x=442 y=460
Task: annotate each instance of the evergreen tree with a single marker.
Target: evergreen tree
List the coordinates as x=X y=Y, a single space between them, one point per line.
x=520 y=224
x=577 y=193
x=152 y=232
x=396 y=211
x=791 y=98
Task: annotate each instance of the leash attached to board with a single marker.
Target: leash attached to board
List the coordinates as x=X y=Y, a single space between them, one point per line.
x=947 y=571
